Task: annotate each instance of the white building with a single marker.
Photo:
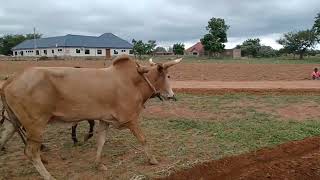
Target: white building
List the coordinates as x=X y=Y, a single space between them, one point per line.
x=107 y=45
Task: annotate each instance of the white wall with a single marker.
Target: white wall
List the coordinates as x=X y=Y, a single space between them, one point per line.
x=70 y=52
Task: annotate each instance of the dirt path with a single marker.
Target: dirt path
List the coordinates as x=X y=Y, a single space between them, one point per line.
x=247 y=86
x=294 y=160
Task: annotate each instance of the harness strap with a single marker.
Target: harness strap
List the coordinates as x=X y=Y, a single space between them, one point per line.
x=155 y=92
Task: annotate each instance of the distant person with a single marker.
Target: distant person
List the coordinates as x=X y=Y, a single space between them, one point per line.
x=315 y=74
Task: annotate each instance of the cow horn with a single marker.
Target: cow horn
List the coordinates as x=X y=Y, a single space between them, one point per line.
x=151 y=62
x=141 y=69
x=171 y=63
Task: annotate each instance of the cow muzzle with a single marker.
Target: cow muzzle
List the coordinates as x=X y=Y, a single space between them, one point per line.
x=170 y=98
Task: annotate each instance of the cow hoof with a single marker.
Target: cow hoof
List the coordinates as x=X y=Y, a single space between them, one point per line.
x=153 y=161
x=44 y=148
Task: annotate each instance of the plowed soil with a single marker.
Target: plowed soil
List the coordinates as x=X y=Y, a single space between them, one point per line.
x=297 y=160
x=194 y=71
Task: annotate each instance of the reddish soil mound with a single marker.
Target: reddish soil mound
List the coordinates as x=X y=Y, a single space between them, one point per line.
x=296 y=160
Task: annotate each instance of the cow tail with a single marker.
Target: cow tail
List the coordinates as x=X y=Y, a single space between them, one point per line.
x=12 y=117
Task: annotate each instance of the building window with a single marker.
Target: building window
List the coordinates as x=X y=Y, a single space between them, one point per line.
x=15 y=53
x=87 y=51
x=99 y=51
x=37 y=52
x=123 y=50
x=115 y=52
x=52 y=51
x=21 y=53
x=45 y=51
x=59 y=50
x=131 y=51
x=77 y=51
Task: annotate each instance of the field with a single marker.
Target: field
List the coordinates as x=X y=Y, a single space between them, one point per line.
x=277 y=135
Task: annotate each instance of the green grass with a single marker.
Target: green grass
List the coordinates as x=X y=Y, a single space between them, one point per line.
x=240 y=124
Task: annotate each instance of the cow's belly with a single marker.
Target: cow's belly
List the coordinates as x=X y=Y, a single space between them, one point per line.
x=69 y=119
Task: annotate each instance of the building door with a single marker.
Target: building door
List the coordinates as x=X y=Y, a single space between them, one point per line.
x=108 y=54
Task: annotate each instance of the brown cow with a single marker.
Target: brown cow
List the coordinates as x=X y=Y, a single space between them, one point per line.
x=113 y=95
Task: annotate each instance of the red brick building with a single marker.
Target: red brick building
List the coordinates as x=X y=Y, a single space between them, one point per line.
x=198 y=50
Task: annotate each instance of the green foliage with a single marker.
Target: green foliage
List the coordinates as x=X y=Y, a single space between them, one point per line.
x=140 y=48
x=7 y=42
x=250 y=47
x=316 y=27
x=178 y=49
x=160 y=49
x=267 y=51
x=213 y=41
x=298 y=42
x=150 y=46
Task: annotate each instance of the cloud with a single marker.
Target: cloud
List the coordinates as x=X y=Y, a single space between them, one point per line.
x=162 y=20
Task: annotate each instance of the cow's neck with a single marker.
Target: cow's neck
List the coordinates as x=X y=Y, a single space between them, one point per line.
x=146 y=89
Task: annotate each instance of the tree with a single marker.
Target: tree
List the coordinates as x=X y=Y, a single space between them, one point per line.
x=213 y=41
x=150 y=46
x=250 y=47
x=316 y=27
x=160 y=49
x=178 y=49
x=138 y=48
x=298 y=42
x=7 y=42
x=267 y=52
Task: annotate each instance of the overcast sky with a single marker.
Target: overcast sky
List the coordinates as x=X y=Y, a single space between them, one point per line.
x=166 y=21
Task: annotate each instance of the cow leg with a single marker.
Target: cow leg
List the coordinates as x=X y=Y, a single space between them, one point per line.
x=32 y=151
x=8 y=132
x=90 y=134
x=101 y=139
x=74 y=134
x=135 y=129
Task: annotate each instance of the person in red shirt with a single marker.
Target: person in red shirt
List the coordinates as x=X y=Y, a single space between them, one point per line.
x=315 y=74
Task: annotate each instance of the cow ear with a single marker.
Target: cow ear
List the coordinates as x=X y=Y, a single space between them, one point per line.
x=160 y=67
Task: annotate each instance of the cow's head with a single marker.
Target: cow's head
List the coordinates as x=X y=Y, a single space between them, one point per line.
x=159 y=77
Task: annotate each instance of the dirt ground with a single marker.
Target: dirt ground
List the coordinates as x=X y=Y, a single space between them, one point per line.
x=293 y=160
x=255 y=87
x=195 y=71
x=298 y=160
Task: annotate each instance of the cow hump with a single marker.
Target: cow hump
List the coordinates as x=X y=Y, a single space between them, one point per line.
x=123 y=59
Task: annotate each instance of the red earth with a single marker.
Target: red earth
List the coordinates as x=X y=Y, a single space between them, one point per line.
x=299 y=160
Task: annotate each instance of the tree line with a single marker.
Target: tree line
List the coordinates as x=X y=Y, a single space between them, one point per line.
x=300 y=43
x=9 y=41
x=150 y=47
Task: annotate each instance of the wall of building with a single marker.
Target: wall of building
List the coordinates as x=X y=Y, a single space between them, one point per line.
x=51 y=52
